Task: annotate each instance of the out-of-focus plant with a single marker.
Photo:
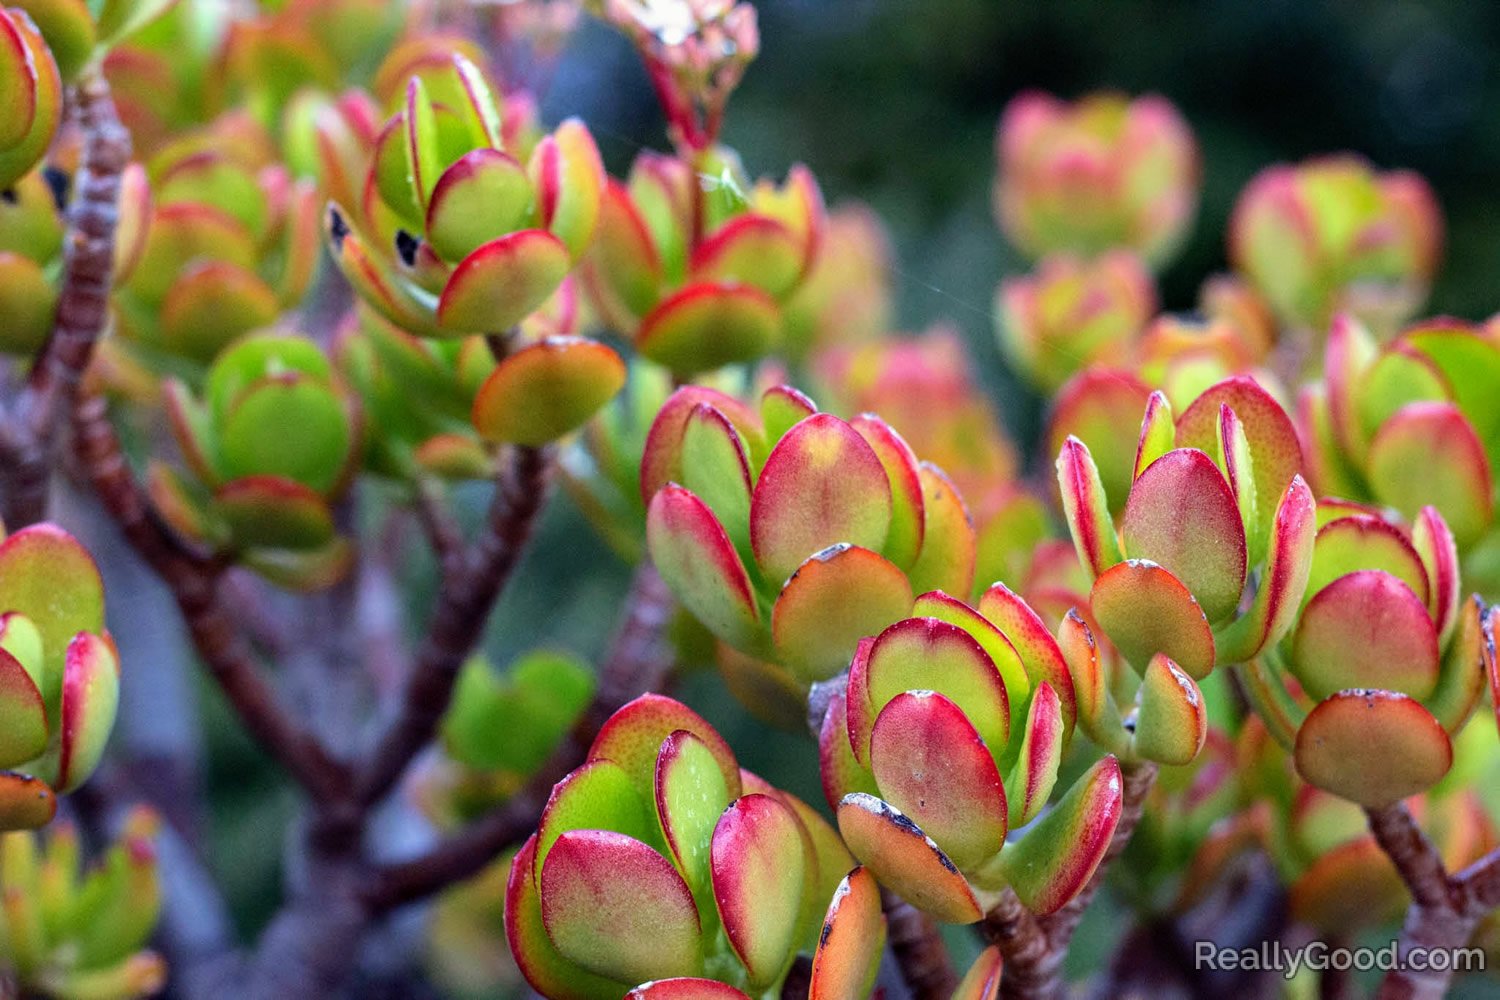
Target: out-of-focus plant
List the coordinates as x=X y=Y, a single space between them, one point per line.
x=1100 y=173
x=1334 y=234
x=660 y=862
x=76 y=934
x=61 y=673
x=1073 y=313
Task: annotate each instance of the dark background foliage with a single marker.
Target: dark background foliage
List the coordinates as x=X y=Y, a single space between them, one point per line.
x=895 y=102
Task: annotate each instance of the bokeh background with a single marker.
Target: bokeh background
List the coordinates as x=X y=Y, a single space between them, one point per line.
x=895 y=102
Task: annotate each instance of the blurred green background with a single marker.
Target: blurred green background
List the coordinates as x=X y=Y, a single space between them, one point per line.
x=895 y=102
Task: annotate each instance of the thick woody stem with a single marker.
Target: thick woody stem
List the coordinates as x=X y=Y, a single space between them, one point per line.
x=463 y=607
x=28 y=436
x=918 y=949
x=1443 y=912
x=1031 y=968
x=637 y=661
x=194 y=582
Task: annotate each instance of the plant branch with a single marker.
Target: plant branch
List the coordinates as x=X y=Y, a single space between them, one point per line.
x=918 y=949
x=28 y=435
x=1030 y=970
x=194 y=582
x=467 y=595
x=1443 y=912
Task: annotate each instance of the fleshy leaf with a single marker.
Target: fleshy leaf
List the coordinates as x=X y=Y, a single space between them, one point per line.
x=930 y=763
x=1346 y=544
x=1282 y=583
x=758 y=871
x=685 y=988
x=1145 y=610
x=905 y=860
x=696 y=559
x=25 y=802
x=821 y=485
x=982 y=981
x=661 y=459
x=840 y=770
x=617 y=908
x=1439 y=554
x=1035 y=771
x=274 y=512
x=1059 y=853
x=1039 y=651
x=569 y=179
x=1182 y=515
x=949 y=546
x=1086 y=509
x=715 y=465
x=707 y=325
x=1366 y=629
x=783 y=407
x=990 y=638
x=834 y=599
x=633 y=736
x=23 y=715
x=90 y=698
x=1349 y=887
x=1372 y=747
x=17 y=84
x=51 y=579
x=754 y=250
x=690 y=795
x=925 y=654
x=1172 y=722
x=503 y=282
x=599 y=796
x=484 y=195
x=908 y=510
x=1158 y=433
x=852 y=939
x=547 y=389
x=1455 y=474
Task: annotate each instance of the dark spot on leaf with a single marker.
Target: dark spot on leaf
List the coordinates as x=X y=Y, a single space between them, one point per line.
x=827 y=930
x=338 y=227
x=407 y=246
x=9 y=196
x=59 y=183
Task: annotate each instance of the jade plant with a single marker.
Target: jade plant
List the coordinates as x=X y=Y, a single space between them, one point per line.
x=307 y=306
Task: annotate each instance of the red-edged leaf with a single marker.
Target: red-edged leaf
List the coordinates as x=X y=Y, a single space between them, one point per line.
x=930 y=763
x=23 y=715
x=661 y=459
x=696 y=559
x=1439 y=553
x=1346 y=544
x=685 y=988
x=90 y=698
x=852 y=939
x=905 y=860
x=758 y=869
x=1145 y=610
x=841 y=772
x=619 y=909
x=821 y=485
x=1282 y=584
x=1366 y=629
x=949 y=545
x=633 y=736
x=834 y=599
x=982 y=981
x=546 y=389
x=753 y=249
x=1455 y=473
x=1183 y=515
x=1372 y=747
x=1059 y=853
x=690 y=794
x=1158 y=433
x=1039 y=651
x=483 y=195
x=994 y=642
x=709 y=324
x=502 y=282
x=1172 y=721
x=1035 y=772
x=782 y=407
x=908 y=510
x=548 y=972
x=1086 y=509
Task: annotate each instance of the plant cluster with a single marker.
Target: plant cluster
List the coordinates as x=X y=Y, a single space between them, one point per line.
x=312 y=303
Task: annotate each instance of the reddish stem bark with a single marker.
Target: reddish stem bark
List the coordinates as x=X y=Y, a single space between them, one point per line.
x=918 y=949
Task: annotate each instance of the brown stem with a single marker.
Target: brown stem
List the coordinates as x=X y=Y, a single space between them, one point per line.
x=1442 y=914
x=28 y=436
x=918 y=949
x=1031 y=969
x=463 y=607
x=1480 y=883
x=194 y=583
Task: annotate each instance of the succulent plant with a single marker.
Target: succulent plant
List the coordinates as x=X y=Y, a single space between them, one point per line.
x=1335 y=235
x=949 y=737
x=790 y=534
x=31 y=96
x=78 y=33
x=1215 y=503
x=845 y=297
x=1383 y=662
x=269 y=446
x=72 y=934
x=61 y=673
x=1423 y=400
x=231 y=243
x=1073 y=313
x=698 y=279
x=660 y=862
x=1096 y=174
